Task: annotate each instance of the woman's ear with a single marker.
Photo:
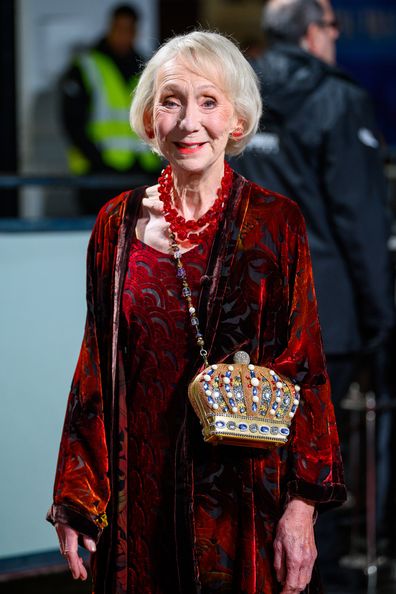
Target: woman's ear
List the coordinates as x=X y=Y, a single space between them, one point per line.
x=239 y=128
x=148 y=125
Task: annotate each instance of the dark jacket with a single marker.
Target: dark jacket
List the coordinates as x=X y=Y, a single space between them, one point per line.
x=318 y=147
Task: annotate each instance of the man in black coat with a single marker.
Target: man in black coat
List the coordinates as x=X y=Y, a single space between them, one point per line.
x=318 y=146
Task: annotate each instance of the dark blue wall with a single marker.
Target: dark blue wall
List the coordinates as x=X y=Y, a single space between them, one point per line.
x=367 y=51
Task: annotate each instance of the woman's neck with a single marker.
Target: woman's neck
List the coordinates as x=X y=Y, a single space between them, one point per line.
x=194 y=193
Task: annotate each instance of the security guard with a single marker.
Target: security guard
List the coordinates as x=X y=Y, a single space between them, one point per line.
x=96 y=95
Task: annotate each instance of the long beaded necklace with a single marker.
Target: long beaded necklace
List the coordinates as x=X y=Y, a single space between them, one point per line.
x=187 y=229
x=186 y=293
x=176 y=224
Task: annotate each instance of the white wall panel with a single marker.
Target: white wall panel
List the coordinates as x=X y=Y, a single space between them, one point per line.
x=42 y=313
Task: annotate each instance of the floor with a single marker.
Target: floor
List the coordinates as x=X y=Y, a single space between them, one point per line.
x=349 y=582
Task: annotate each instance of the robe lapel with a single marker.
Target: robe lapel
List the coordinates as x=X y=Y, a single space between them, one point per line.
x=212 y=295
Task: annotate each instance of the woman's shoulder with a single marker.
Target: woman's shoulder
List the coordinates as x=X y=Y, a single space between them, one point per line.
x=112 y=213
x=267 y=205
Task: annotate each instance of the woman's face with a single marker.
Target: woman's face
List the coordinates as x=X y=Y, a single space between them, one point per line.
x=192 y=118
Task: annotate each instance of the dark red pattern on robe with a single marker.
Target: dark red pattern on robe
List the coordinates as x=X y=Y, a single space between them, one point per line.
x=158 y=338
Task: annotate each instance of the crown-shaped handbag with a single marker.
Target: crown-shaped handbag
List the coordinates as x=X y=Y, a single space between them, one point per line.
x=239 y=404
x=244 y=404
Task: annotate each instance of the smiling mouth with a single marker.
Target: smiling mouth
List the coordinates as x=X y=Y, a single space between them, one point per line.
x=189 y=146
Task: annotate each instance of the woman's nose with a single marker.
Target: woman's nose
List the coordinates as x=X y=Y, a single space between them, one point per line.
x=189 y=119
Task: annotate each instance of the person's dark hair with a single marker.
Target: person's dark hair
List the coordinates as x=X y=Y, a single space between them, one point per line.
x=289 y=20
x=124 y=10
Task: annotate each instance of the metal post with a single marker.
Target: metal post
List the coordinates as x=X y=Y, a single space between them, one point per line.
x=372 y=568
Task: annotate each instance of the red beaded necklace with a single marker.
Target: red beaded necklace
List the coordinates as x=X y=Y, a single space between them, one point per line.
x=187 y=229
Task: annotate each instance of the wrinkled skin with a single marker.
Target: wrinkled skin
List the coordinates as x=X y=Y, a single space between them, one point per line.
x=294 y=547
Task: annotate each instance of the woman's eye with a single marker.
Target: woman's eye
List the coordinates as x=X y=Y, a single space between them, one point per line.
x=168 y=102
x=209 y=103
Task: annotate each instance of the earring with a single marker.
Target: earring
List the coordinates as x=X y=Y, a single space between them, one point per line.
x=237 y=133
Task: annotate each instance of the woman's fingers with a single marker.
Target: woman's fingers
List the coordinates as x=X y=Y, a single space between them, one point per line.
x=291 y=583
x=89 y=544
x=279 y=561
x=68 y=542
x=76 y=566
x=300 y=558
x=294 y=547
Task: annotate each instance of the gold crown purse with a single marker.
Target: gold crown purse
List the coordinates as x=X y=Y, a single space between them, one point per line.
x=240 y=403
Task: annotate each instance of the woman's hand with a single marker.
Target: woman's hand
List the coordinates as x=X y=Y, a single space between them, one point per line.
x=68 y=542
x=294 y=546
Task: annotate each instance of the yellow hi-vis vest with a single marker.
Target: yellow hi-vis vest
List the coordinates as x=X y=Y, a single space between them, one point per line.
x=109 y=127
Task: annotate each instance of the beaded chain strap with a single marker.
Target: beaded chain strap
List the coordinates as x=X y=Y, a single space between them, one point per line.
x=239 y=404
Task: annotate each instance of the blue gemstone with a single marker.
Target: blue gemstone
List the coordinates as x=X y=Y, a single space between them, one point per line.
x=186 y=292
x=211 y=371
x=254 y=407
x=275 y=406
x=194 y=321
x=254 y=391
x=278 y=392
x=285 y=431
x=286 y=401
x=228 y=373
x=220 y=424
x=210 y=400
x=232 y=402
x=206 y=386
x=242 y=410
x=293 y=408
x=263 y=413
x=243 y=426
x=181 y=273
x=264 y=429
x=227 y=388
x=225 y=409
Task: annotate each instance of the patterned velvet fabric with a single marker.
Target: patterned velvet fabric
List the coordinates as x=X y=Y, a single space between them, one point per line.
x=257 y=295
x=158 y=341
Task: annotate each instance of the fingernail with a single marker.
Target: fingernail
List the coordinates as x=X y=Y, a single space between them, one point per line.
x=92 y=547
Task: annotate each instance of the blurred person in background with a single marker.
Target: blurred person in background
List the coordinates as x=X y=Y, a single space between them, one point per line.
x=318 y=145
x=95 y=98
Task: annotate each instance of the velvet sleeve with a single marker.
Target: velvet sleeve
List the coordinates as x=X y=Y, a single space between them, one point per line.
x=81 y=490
x=316 y=471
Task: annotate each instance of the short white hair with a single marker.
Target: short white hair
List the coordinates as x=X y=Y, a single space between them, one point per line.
x=208 y=54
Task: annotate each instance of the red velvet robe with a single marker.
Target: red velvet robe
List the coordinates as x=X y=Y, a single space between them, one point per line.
x=258 y=296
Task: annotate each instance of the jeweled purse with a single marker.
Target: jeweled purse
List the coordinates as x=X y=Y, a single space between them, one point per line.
x=244 y=404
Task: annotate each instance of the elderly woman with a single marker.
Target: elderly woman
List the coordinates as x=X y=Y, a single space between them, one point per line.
x=165 y=511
